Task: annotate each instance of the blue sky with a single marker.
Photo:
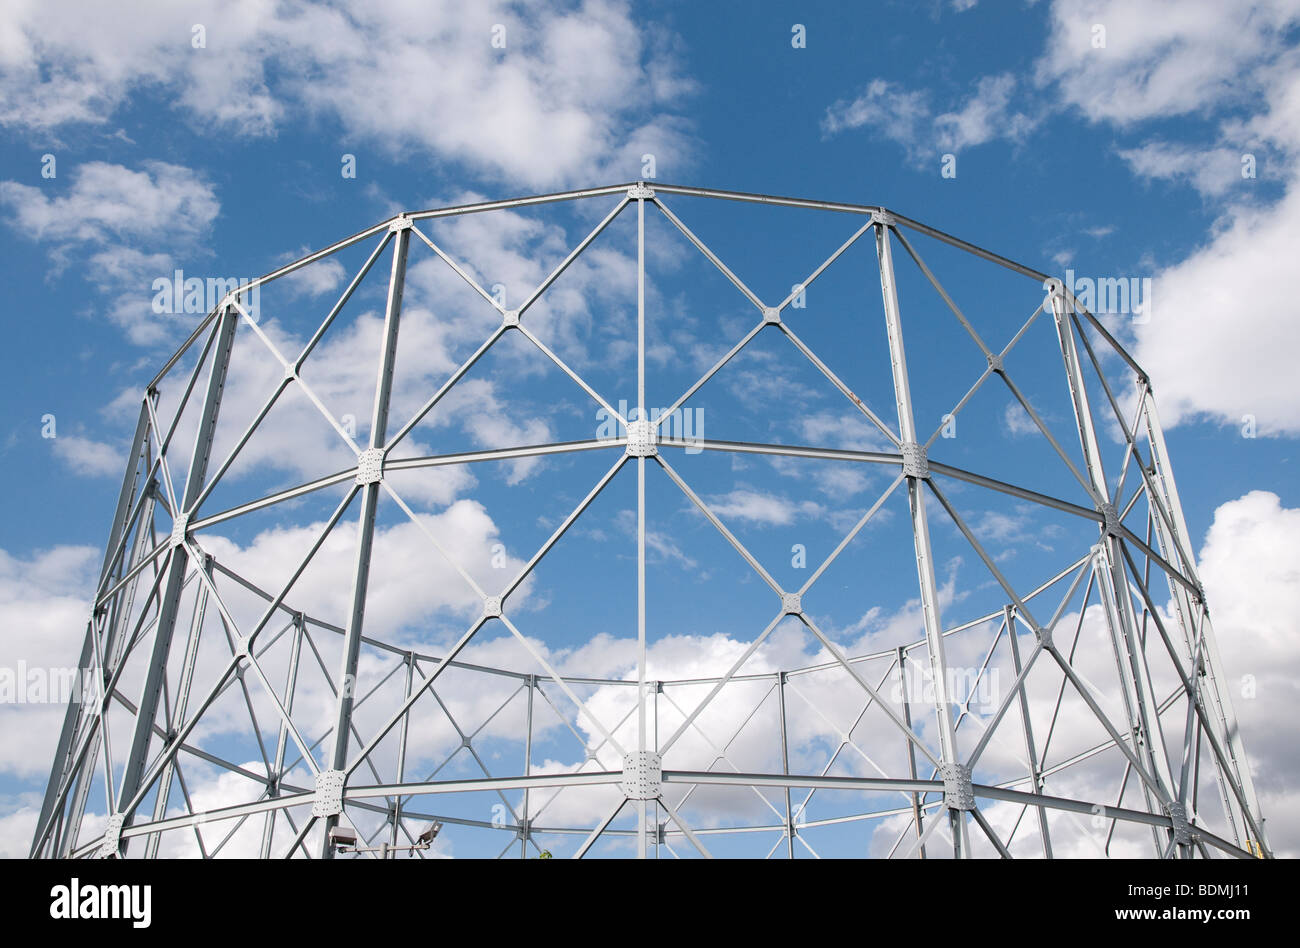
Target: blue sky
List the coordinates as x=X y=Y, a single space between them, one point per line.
x=1119 y=161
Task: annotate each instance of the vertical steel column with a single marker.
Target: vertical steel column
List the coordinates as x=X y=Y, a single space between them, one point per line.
x=1034 y=773
x=911 y=749
x=1113 y=584
x=920 y=528
x=72 y=717
x=182 y=703
x=785 y=765
x=658 y=688
x=282 y=741
x=528 y=767
x=147 y=708
x=642 y=822
x=120 y=605
x=366 y=526
x=1219 y=698
x=401 y=749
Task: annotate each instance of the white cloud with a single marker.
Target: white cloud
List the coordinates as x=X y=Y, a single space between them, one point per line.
x=112 y=201
x=1221 y=338
x=88 y=457
x=1218 y=339
x=1220 y=330
x=1250 y=564
x=1212 y=171
x=322 y=277
x=1161 y=57
x=898 y=113
x=560 y=103
x=987 y=114
x=762 y=508
x=842 y=429
x=414 y=584
x=566 y=97
x=1016 y=420
x=44 y=605
x=127 y=222
x=16 y=831
x=908 y=118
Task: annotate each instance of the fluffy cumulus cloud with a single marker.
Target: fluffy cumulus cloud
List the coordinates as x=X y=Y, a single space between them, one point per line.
x=539 y=94
x=1220 y=340
x=43 y=601
x=43 y=610
x=415 y=583
x=1217 y=342
x=88 y=457
x=1160 y=57
x=110 y=200
x=125 y=222
x=1250 y=564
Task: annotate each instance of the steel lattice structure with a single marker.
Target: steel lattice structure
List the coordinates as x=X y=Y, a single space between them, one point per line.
x=163 y=597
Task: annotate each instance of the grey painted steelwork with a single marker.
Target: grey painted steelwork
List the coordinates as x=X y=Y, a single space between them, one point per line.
x=309 y=802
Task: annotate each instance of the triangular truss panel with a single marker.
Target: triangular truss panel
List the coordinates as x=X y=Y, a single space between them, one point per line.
x=650 y=521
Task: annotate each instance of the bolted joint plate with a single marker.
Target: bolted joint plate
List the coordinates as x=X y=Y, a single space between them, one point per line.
x=642 y=775
x=329 y=793
x=400 y=224
x=1182 y=829
x=370 y=466
x=641 y=439
x=958 y=793
x=492 y=607
x=639 y=191
x=771 y=316
x=510 y=317
x=791 y=604
x=1111 y=518
x=915 y=462
x=111 y=845
x=180 y=529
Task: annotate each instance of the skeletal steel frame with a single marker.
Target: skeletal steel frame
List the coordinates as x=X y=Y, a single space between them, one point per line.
x=937 y=792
